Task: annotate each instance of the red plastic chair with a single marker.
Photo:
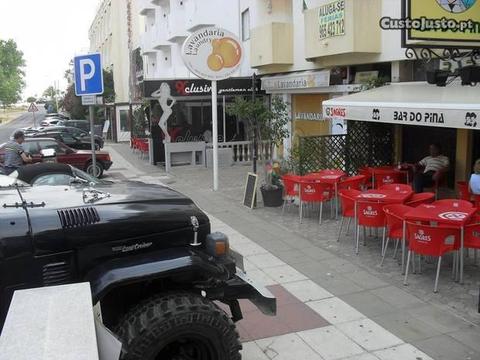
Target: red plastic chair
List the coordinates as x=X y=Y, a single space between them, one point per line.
x=421 y=198
x=476 y=201
x=369 y=214
x=290 y=189
x=428 y=240
x=347 y=201
x=471 y=238
x=386 y=177
x=454 y=203
x=396 y=187
x=394 y=216
x=315 y=192
x=463 y=191
x=353 y=182
x=365 y=171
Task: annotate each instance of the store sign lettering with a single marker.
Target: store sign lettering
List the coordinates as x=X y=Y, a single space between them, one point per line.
x=308 y=116
x=331 y=18
x=418 y=116
x=335 y=112
x=189 y=88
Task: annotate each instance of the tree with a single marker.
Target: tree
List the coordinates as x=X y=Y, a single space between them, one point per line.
x=267 y=123
x=31 y=99
x=11 y=72
x=50 y=92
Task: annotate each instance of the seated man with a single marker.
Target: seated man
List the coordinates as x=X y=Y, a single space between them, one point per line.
x=432 y=167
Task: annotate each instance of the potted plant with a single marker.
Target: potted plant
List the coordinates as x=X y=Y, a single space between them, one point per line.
x=265 y=123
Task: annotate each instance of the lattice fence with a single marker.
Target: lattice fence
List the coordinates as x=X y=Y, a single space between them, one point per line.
x=365 y=144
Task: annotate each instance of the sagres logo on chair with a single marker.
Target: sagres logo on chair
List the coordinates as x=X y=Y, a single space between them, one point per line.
x=369 y=211
x=422 y=237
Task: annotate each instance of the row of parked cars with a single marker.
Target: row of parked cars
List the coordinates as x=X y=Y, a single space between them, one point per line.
x=70 y=140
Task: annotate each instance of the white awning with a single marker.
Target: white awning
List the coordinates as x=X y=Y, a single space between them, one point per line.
x=418 y=103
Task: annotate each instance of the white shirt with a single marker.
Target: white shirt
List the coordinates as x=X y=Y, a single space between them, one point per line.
x=475 y=184
x=435 y=163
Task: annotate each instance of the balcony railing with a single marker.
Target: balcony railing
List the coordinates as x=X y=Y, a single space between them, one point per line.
x=243 y=150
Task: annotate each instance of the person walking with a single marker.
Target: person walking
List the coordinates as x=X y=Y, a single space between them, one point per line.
x=15 y=156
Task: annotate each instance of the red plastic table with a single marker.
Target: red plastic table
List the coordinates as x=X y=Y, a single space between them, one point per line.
x=381 y=196
x=329 y=177
x=385 y=196
x=447 y=215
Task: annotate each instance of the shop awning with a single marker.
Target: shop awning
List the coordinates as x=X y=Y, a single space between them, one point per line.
x=418 y=103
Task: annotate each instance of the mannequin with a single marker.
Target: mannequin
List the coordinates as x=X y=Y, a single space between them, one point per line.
x=163 y=96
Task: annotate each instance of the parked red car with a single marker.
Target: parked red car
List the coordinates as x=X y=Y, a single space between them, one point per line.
x=81 y=159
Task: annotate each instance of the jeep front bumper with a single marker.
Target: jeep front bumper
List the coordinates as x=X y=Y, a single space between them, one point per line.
x=242 y=287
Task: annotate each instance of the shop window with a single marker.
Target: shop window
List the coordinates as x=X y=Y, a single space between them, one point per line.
x=246 y=25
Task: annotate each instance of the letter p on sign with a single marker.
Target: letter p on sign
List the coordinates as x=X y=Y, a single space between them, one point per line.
x=88 y=74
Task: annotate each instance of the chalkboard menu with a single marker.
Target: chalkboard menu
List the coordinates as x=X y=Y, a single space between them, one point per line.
x=250 y=190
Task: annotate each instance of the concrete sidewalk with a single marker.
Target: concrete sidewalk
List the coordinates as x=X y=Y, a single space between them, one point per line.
x=362 y=306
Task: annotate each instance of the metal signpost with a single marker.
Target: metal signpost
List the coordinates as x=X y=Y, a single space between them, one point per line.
x=33 y=109
x=89 y=83
x=213 y=54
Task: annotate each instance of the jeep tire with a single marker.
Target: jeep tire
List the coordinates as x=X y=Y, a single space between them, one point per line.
x=180 y=326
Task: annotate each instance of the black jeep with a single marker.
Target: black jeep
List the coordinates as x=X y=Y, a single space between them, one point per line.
x=147 y=251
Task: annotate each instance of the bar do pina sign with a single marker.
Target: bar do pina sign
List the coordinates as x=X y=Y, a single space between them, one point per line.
x=331 y=18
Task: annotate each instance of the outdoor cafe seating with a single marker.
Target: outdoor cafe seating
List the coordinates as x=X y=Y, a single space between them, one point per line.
x=393 y=209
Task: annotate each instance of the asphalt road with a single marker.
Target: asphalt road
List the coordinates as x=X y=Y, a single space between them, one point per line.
x=24 y=120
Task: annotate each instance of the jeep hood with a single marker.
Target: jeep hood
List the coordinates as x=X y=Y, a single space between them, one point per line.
x=126 y=216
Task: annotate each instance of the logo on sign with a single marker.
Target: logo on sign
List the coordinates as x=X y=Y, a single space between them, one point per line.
x=309 y=190
x=369 y=211
x=376 y=114
x=456 y=6
x=453 y=215
x=335 y=112
x=212 y=53
x=422 y=237
x=471 y=119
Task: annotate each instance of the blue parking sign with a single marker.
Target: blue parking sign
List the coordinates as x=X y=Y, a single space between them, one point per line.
x=88 y=74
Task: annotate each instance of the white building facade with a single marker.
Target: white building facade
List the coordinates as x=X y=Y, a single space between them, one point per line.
x=114 y=33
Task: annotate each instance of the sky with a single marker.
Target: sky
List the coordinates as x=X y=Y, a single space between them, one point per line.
x=50 y=33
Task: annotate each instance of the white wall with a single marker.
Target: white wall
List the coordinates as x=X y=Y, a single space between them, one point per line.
x=221 y=13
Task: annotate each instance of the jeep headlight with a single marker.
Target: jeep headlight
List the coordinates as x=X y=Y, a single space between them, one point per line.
x=217 y=244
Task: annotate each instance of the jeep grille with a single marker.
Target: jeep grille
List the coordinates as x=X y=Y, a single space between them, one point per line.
x=56 y=273
x=71 y=218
